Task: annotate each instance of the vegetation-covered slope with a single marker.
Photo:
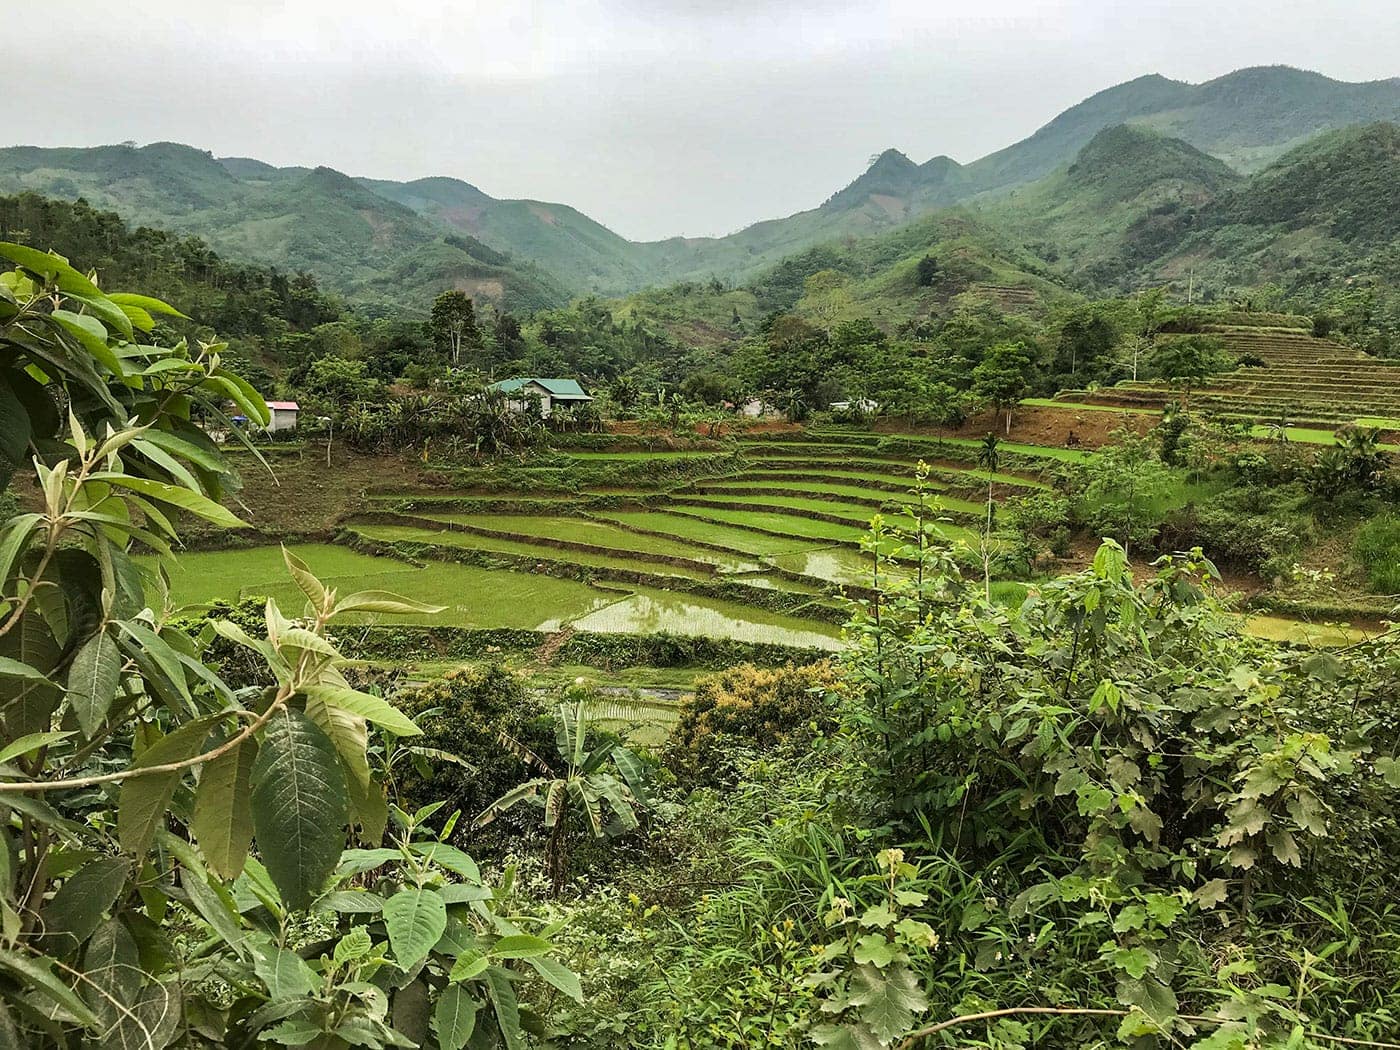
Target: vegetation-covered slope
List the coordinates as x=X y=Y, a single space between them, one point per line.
x=356 y=232
x=318 y=220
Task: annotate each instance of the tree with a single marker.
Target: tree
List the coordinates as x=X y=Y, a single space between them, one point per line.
x=827 y=295
x=989 y=458
x=1003 y=377
x=927 y=271
x=339 y=382
x=1187 y=362
x=452 y=323
x=1126 y=483
x=609 y=777
x=1085 y=338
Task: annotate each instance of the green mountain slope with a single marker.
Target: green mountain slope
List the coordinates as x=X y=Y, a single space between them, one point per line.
x=296 y=219
x=358 y=233
x=1121 y=203
x=585 y=255
x=1329 y=210
x=1245 y=118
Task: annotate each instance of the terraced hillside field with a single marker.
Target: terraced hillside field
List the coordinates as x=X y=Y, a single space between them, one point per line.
x=1302 y=379
x=755 y=544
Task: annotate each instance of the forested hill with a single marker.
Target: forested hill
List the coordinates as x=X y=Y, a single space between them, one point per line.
x=1245 y=119
x=358 y=242
x=376 y=238
x=1137 y=208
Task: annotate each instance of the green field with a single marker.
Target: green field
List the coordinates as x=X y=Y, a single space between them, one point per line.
x=500 y=545
x=758 y=536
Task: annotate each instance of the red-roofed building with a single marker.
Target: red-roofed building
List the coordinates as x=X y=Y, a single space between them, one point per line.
x=284 y=415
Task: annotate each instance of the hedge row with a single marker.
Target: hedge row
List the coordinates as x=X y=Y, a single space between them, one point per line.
x=605 y=651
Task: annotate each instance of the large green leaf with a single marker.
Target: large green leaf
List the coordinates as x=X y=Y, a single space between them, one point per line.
x=519 y=946
x=193 y=502
x=112 y=972
x=14 y=420
x=222 y=821
x=299 y=805
x=285 y=973
x=92 y=334
x=14 y=538
x=145 y=302
x=77 y=907
x=370 y=708
x=213 y=902
x=14 y=669
x=48 y=265
x=455 y=1016
x=144 y=800
x=92 y=681
x=507 y=1008
x=33 y=974
x=305 y=579
x=888 y=1002
x=415 y=918
x=449 y=857
x=559 y=975
x=383 y=602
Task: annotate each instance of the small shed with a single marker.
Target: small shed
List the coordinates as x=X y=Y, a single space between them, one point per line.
x=552 y=393
x=284 y=415
x=757 y=408
x=863 y=405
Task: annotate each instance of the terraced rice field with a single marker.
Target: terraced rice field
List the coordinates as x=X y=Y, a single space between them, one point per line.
x=779 y=521
x=739 y=554
x=757 y=550
x=1303 y=379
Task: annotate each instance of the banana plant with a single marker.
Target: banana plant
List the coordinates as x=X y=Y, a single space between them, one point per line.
x=608 y=778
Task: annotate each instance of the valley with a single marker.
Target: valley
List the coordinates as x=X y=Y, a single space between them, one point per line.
x=960 y=614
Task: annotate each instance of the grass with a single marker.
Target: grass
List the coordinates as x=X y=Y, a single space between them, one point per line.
x=868 y=498
x=598 y=534
x=1068 y=455
x=778 y=524
x=637 y=457
x=472 y=597
x=1079 y=406
x=856 y=513
x=688 y=528
x=1299 y=632
x=790 y=525
x=1377 y=550
x=201 y=577
x=501 y=545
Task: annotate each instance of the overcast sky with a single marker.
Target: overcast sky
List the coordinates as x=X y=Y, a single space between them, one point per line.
x=656 y=117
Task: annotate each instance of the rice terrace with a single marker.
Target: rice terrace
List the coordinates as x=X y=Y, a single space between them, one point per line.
x=960 y=613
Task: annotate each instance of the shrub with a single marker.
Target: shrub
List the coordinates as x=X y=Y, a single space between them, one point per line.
x=1377 y=551
x=464 y=714
x=751 y=709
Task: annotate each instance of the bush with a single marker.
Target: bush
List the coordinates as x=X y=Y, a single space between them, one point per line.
x=746 y=709
x=1377 y=551
x=1256 y=529
x=464 y=714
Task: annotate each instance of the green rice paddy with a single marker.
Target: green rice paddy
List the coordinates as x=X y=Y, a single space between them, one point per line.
x=501 y=545
x=598 y=534
x=760 y=528
x=686 y=527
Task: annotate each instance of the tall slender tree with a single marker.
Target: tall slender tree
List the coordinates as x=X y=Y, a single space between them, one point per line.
x=452 y=324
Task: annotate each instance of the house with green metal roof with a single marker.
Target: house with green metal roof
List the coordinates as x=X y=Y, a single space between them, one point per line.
x=552 y=393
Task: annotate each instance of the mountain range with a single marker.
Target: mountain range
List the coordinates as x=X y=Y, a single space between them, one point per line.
x=1135 y=160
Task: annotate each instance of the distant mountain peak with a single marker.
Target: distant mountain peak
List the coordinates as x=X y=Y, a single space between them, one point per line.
x=891 y=160
x=1126 y=159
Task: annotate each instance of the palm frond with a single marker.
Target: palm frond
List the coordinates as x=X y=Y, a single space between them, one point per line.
x=517 y=794
x=520 y=751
